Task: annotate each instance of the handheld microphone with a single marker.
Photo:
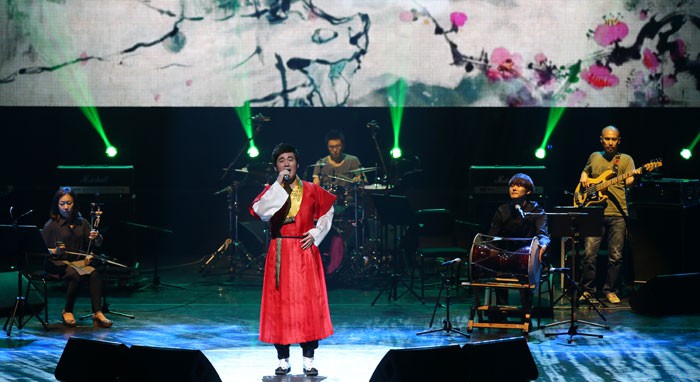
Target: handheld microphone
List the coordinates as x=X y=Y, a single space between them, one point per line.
x=456 y=260
x=286 y=178
x=520 y=211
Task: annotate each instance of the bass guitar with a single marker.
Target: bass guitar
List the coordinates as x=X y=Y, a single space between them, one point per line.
x=593 y=194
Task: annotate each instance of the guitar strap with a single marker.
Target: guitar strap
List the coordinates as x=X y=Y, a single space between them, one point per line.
x=616 y=162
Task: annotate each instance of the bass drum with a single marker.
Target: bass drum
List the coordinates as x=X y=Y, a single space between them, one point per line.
x=335 y=247
x=492 y=258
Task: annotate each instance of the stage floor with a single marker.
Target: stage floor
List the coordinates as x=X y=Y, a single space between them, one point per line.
x=218 y=314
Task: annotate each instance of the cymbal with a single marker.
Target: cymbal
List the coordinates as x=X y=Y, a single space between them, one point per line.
x=317 y=165
x=362 y=170
x=340 y=177
x=265 y=166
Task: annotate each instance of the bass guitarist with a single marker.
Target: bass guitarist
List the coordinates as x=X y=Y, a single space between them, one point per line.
x=604 y=164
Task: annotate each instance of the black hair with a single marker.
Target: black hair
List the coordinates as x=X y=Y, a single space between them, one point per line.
x=335 y=134
x=523 y=180
x=282 y=148
x=54 y=212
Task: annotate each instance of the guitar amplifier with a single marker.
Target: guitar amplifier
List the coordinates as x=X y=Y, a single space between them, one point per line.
x=97 y=180
x=112 y=188
x=666 y=192
x=488 y=188
x=492 y=181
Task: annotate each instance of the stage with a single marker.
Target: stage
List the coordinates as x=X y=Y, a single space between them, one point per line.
x=217 y=313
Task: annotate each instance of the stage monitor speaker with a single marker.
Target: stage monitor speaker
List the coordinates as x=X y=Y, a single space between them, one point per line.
x=91 y=360
x=441 y=363
x=507 y=359
x=667 y=295
x=8 y=295
x=167 y=364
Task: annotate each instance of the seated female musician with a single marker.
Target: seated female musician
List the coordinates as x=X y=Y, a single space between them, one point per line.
x=68 y=235
x=520 y=218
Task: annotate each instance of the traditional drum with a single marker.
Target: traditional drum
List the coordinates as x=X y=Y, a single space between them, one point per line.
x=493 y=257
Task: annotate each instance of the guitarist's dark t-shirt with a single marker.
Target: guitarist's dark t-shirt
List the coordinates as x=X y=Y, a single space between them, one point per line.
x=597 y=164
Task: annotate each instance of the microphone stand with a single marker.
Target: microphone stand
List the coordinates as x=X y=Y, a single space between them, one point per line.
x=95 y=218
x=447 y=281
x=373 y=126
x=156 y=277
x=231 y=243
x=257 y=120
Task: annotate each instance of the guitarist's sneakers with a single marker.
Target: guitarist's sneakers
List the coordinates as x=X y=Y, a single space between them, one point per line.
x=612 y=298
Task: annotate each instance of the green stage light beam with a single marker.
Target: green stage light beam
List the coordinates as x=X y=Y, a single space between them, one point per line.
x=687 y=152
x=244 y=115
x=94 y=118
x=52 y=41
x=555 y=114
x=397 y=99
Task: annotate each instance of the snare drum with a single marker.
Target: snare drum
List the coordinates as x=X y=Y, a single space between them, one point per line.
x=494 y=257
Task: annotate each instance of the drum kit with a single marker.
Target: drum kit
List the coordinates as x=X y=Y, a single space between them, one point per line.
x=350 y=251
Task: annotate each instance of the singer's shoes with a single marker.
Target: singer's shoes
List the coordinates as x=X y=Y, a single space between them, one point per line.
x=309 y=369
x=284 y=367
x=68 y=319
x=99 y=320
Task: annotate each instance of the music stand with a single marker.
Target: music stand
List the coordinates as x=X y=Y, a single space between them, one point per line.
x=18 y=240
x=575 y=222
x=394 y=210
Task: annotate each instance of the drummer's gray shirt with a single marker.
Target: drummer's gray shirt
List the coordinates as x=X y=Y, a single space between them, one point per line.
x=349 y=163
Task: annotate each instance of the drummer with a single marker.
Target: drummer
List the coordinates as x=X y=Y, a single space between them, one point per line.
x=338 y=170
x=520 y=218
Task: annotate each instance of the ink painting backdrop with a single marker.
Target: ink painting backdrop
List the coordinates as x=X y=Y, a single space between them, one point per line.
x=368 y=53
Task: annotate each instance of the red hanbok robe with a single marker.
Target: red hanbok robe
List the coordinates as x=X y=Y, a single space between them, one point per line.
x=295 y=310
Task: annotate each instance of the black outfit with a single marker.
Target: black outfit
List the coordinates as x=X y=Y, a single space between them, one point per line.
x=76 y=238
x=507 y=222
